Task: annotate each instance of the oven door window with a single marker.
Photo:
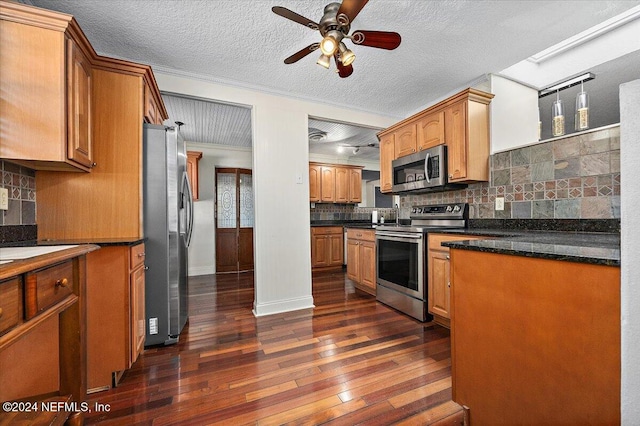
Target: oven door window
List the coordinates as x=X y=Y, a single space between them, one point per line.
x=398 y=263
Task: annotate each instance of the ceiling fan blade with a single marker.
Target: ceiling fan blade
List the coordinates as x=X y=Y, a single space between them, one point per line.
x=286 y=13
x=343 y=71
x=350 y=9
x=301 y=53
x=379 y=39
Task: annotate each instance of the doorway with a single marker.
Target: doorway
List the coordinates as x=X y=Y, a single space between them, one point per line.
x=234 y=220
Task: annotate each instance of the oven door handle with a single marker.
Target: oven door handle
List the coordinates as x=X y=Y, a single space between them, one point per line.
x=399 y=236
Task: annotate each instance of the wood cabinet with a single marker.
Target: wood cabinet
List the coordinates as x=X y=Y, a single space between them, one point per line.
x=405 y=140
x=115 y=292
x=46 y=83
x=545 y=332
x=330 y=183
x=361 y=258
x=193 y=159
x=430 y=130
x=461 y=122
x=467 y=134
x=387 y=155
x=439 y=278
x=327 y=247
x=152 y=112
x=106 y=203
x=42 y=328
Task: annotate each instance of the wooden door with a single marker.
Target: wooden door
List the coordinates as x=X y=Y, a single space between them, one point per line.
x=439 y=296
x=319 y=250
x=315 y=183
x=431 y=130
x=336 y=244
x=355 y=185
x=342 y=185
x=387 y=155
x=368 y=264
x=455 y=131
x=328 y=186
x=79 y=142
x=234 y=220
x=353 y=260
x=405 y=138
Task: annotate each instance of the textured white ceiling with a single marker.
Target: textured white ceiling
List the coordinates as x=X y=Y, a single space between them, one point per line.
x=445 y=43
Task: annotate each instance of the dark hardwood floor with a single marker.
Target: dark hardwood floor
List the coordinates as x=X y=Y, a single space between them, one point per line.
x=350 y=360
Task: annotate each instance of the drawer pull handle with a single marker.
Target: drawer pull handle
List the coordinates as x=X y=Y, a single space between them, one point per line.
x=448 y=257
x=141 y=254
x=146 y=268
x=62 y=283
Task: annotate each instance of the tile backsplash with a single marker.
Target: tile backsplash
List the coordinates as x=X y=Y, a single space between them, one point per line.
x=21 y=183
x=349 y=212
x=575 y=177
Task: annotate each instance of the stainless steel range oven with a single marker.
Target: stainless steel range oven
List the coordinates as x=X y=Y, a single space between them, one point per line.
x=402 y=256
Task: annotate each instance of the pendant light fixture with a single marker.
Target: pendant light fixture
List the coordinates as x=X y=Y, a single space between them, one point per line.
x=557 y=114
x=582 y=109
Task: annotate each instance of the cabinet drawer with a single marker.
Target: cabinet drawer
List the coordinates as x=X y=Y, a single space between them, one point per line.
x=47 y=287
x=137 y=256
x=326 y=230
x=361 y=234
x=10 y=304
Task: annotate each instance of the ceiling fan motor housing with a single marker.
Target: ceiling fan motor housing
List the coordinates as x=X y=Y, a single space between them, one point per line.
x=330 y=21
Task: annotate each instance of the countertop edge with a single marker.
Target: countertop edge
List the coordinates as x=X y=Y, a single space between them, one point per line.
x=21 y=266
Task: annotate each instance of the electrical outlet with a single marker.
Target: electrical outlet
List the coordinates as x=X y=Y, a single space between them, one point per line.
x=4 y=199
x=499 y=203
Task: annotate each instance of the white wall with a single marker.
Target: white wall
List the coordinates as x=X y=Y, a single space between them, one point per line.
x=281 y=184
x=514 y=114
x=202 y=251
x=630 y=245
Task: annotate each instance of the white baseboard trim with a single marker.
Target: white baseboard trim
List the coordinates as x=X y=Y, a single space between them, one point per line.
x=201 y=270
x=280 y=306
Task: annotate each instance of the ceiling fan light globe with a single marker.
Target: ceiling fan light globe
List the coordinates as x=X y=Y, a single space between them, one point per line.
x=347 y=57
x=324 y=60
x=328 y=45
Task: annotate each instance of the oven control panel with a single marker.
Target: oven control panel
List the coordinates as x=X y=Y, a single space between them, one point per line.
x=453 y=210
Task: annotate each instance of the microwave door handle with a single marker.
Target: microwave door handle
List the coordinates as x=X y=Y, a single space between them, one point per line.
x=427 y=168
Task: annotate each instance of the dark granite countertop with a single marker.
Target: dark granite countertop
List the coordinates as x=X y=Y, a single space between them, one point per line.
x=600 y=248
x=344 y=223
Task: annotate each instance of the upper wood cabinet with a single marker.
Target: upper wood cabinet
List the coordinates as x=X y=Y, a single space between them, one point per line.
x=46 y=83
x=151 y=111
x=387 y=155
x=461 y=122
x=315 y=182
x=193 y=158
x=405 y=140
x=430 y=130
x=330 y=183
x=106 y=203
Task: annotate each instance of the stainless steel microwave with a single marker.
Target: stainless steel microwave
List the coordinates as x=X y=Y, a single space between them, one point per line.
x=424 y=171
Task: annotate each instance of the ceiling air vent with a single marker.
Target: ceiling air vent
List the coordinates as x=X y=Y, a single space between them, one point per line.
x=317 y=135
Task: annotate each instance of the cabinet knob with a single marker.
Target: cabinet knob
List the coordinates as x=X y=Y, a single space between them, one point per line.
x=62 y=282
x=450 y=176
x=146 y=268
x=448 y=257
x=93 y=165
x=141 y=254
x=449 y=284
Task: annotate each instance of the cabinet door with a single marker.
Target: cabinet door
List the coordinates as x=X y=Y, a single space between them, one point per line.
x=405 y=138
x=342 y=185
x=431 y=130
x=336 y=247
x=150 y=107
x=353 y=260
x=319 y=251
x=328 y=186
x=439 y=283
x=138 y=321
x=79 y=106
x=315 y=182
x=355 y=185
x=387 y=155
x=455 y=130
x=193 y=158
x=368 y=264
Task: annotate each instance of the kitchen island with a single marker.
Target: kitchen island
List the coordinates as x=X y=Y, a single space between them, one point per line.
x=548 y=350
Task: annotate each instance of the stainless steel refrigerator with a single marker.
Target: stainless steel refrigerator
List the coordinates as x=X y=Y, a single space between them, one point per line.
x=168 y=222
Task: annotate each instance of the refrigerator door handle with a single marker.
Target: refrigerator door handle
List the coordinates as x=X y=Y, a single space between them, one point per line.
x=186 y=188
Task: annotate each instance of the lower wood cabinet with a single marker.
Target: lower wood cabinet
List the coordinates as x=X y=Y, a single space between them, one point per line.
x=439 y=276
x=361 y=259
x=327 y=247
x=115 y=313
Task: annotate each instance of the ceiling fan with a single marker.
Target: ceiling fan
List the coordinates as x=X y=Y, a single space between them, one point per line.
x=334 y=27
